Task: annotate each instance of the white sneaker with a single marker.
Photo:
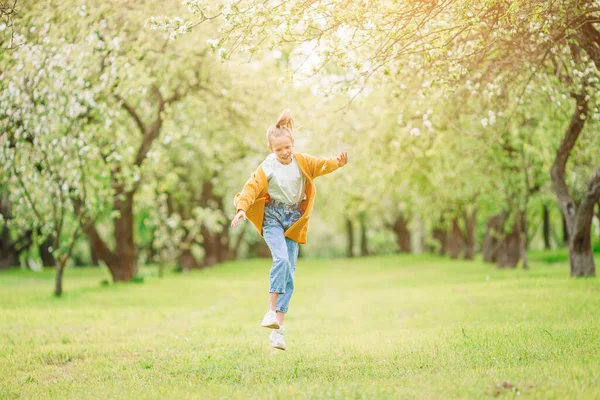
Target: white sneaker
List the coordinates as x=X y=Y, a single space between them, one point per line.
x=270 y=320
x=276 y=337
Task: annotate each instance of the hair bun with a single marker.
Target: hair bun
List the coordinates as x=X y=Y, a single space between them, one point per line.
x=285 y=120
x=283 y=127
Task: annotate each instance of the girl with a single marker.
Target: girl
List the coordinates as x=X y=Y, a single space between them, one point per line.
x=278 y=199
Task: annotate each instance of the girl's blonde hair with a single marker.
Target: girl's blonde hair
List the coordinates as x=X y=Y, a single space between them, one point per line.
x=283 y=127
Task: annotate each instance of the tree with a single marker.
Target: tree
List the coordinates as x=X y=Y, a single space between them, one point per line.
x=150 y=77
x=578 y=216
x=46 y=115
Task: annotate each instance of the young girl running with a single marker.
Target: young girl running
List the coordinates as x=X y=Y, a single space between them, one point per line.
x=278 y=199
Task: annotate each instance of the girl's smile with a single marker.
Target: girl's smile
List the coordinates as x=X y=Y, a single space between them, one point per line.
x=283 y=147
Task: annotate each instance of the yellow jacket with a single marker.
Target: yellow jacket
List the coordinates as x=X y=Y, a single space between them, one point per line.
x=253 y=196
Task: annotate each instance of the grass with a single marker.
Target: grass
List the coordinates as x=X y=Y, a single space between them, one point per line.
x=385 y=327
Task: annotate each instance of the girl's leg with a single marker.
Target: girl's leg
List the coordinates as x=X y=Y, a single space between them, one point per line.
x=283 y=300
x=273 y=234
x=280 y=317
x=273 y=301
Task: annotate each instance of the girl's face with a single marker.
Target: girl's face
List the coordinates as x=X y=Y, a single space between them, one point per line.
x=283 y=147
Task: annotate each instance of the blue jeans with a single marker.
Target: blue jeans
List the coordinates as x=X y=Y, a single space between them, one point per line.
x=278 y=218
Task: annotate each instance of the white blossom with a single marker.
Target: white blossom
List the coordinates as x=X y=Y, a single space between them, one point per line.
x=212 y=43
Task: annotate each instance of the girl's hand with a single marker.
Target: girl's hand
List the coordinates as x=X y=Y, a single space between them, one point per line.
x=240 y=215
x=342 y=159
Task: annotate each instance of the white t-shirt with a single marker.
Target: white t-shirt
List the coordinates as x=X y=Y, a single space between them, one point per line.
x=286 y=182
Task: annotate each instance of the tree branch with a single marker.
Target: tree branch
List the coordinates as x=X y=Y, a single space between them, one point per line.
x=589 y=39
x=100 y=247
x=151 y=134
x=131 y=111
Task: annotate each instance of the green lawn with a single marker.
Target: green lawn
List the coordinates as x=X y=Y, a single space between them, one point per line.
x=385 y=327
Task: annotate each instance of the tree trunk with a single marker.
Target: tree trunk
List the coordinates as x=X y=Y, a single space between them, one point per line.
x=224 y=254
x=495 y=228
x=598 y=217
x=46 y=255
x=99 y=246
x=509 y=249
x=188 y=261
x=60 y=267
x=581 y=256
x=524 y=240
x=94 y=257
x=216 y=244
x=503 y=249
x=216 y=247
x=469 y=237
x=578 y=217
x=546 y=228
x=210 y=247
x=125 y=249
x=9 y=249
x=364 y=245
x=417 y=238
x=350 y=238
x=9 y=255
x=402 y=234
x=442 y=236
x=122 y=264
x=509 y=246
x=455 y=241
x=565 y=230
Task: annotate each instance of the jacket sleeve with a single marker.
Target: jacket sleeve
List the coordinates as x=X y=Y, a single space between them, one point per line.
x=318 y=166
x=249 y=193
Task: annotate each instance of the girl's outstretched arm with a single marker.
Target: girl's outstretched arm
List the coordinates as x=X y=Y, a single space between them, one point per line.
x=322 y=166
